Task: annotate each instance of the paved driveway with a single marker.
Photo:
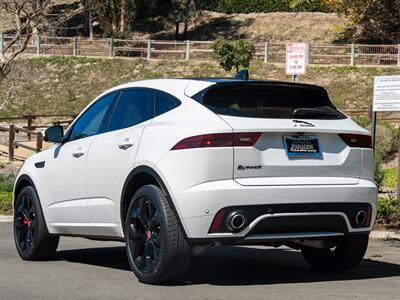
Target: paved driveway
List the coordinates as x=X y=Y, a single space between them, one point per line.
x=86 y=269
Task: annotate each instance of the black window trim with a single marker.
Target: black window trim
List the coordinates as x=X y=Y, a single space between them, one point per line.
x=110 y=111
x=69 y=132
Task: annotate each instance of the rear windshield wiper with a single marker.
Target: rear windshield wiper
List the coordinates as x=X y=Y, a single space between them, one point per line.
x=317 y=112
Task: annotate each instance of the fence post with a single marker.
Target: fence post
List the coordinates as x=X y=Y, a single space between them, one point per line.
x=398 y=55
x=187 y=50
x=11 y=137
x=75 y=46
x=39 y=142
x=266 y=49
x=1 y=41
x=353 y=55
x=148 y=49
x=37 y=36
x=29 y=127
x=111 y=47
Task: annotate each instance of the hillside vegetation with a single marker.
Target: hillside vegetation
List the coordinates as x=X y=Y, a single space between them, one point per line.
x=67 y=84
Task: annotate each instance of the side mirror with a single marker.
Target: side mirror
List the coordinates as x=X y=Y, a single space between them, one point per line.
x=54 y=134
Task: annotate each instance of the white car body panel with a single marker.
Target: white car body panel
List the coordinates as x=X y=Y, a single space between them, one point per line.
x=82 y=195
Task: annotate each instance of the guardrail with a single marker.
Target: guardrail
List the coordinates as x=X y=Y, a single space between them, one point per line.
x=269 y=52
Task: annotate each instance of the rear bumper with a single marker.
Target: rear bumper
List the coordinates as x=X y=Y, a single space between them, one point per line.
x=198 y=206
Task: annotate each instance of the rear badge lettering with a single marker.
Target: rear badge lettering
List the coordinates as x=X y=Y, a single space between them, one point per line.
x=302 y=124
x=244 y=168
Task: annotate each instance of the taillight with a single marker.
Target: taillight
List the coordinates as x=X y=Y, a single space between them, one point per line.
x=242 y=139
x=357 y=140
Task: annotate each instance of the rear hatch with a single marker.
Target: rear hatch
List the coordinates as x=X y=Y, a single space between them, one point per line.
x=303 y=138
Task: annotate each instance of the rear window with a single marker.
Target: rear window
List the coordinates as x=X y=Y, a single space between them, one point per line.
x=277 y=102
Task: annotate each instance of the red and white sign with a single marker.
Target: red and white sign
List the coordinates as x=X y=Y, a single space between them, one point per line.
x=296 y=58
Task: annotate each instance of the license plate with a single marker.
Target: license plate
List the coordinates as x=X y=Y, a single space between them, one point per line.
x=302 y=146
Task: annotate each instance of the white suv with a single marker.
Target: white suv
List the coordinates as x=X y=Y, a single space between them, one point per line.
x=176 y=166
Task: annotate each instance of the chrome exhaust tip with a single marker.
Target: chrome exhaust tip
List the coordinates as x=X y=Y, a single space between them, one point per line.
x=361 y=217
x=236 y=221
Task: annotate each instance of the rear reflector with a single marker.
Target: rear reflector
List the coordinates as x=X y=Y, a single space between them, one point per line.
x=242 y=139
x=357 y=140
x=217 y=222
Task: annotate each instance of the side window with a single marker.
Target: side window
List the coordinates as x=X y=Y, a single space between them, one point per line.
x=164 y=103
x=90 y=123
x=133 y=107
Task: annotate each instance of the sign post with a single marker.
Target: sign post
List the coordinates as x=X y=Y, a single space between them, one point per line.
x=296 y=60
x=386 y=98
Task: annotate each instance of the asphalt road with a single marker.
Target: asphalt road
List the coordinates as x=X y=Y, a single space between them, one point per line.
x=86 y=269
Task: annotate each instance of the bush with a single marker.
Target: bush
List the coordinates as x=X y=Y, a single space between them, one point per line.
x=379 y=174
x=387 y=138
x=257 y=6
x=387 y=207
x=6 y=203
x=233 y=54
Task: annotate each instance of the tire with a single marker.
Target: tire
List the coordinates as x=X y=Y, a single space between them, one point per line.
x=157 y=250
x=347 y=254
x=32 y=239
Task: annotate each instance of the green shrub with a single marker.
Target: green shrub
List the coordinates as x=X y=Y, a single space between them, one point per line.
x=233 y=54
x=390 y=179
x=6 y=182
x=6 y=203
x=388 y=206
x=379 y=174
x=387 y=138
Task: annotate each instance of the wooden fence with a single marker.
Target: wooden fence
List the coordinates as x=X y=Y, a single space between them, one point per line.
x=30 y=131
x=269 y=52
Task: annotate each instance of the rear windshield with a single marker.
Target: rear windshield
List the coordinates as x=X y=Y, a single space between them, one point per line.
x=277 y=102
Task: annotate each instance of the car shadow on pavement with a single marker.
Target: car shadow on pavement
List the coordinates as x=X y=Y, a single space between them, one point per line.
x=241 y=266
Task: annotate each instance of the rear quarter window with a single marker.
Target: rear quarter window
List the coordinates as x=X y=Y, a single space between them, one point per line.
x=270 y=101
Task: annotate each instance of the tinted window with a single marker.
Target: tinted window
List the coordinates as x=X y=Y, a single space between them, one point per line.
x=133 y=107
x=91 y=122
x=273 y=101
x=164 y=103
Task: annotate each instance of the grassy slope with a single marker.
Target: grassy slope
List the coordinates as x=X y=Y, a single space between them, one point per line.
x=67 y=84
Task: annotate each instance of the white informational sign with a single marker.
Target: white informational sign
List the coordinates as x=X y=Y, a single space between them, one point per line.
x=387 y=93
x=296 y=58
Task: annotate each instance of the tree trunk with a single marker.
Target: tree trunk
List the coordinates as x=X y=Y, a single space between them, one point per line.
x=176 y=30
x=114 y=25
x=185 y=30
x=123 y=16
x=90 y=19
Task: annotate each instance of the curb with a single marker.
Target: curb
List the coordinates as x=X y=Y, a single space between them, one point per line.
x=6 y=219
x=385 y=235
x=374 y=235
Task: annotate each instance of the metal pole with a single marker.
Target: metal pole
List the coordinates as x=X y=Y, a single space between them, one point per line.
x=187 y=50
x=1 y=41
x=296 y=78
x=148 y=49
x=398 y=55
x=353 y=55
x=111 y=48
x=75 y=46
x=37 y=43
x=398 y=179
x=373 y=127
x=308 y=53
x=266 y=49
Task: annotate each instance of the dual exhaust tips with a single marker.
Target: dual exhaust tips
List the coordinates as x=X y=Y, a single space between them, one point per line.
x=236 y=221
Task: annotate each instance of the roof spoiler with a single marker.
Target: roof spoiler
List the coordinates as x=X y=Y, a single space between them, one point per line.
x=242 y=75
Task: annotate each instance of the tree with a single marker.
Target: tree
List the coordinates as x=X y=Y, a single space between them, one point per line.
x=370 y=20
x=233 y=54
x=184 y=11
x=28 y=16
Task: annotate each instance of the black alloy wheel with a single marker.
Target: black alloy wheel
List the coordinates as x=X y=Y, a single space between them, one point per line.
x=25 y=221
x=144 y=229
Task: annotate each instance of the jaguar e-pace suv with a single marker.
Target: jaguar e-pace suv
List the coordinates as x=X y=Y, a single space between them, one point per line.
x=173 y=167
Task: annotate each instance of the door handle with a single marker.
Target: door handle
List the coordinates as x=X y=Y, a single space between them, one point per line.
x=78 y=153
x=126 y=144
